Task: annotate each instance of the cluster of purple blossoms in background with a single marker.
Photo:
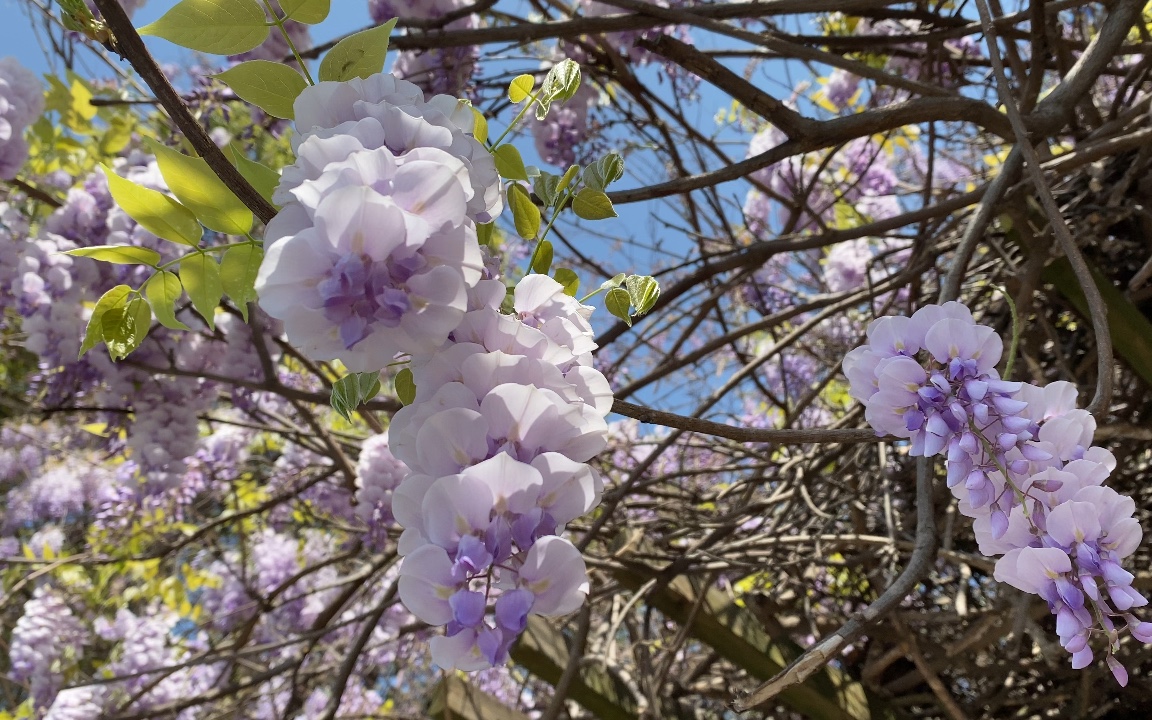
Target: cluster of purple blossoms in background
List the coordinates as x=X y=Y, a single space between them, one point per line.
x=437 y=71
x=1021 y=462
x=21 y=102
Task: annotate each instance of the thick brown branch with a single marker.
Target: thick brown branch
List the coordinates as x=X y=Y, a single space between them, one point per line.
x=131 y=48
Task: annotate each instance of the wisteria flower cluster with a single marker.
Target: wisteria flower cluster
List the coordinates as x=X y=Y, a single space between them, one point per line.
x=373 y=155
x=497 y=439
x=446 y=71
x=21 y=102
x=1019 y=459
x=375 y=257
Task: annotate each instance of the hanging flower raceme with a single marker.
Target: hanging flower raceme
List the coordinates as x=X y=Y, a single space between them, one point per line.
x=21 y=101
x=1020 y=461
x=503 y=422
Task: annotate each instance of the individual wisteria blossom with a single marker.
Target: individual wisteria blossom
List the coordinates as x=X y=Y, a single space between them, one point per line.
x=436 y=71
x=1020 y=460
x=504 y=420
x=21 y=102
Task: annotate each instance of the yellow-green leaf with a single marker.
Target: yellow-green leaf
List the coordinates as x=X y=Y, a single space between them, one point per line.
x=198 y=188
x=238 y=270
x=479 y=127
x=618 y=303
x=156 y=212
x=270 y=86
x=115 y=298
x=359 y=55
x=118 y=254
x=221 y=27
x=591 y=204
x=525 y=214
x=163 y=290
x=569 y=279
x=520 y=88
x=118 y=135
x=261 y=177
x=509 y=163
x=542 y=257
x=309 y=12
x=201 y=278
x=405 y=386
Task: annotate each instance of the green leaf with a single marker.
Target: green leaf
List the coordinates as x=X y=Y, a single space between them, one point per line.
x=156 y=212
x=353 y=390
x=220 y=27
x=163 y=290
x=116 y=298
x=270 y=86
x=605 y=171
x=566 y=180
x=509 y=163
x=118 y=254
x=560 y=84
x=118 y=135
x=525 y=214
x=238 y=269
x=614 y=282
x=644 y=291
x=545 y=186
x=542 y=257
x=617 y=302
x=308 y=12
x=520 y=88
x=405 y=386
x=479 y=127
x=201 y=277
x=198 y=188
x=592 y=204
x=359 y=55
x=124 y=328
x=485 y=232
x=569 y=279
x=263 y=178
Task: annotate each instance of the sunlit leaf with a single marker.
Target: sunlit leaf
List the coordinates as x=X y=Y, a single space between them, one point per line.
x=198 y=188
x=220 y=27
x=359 y=55
x=270 y=86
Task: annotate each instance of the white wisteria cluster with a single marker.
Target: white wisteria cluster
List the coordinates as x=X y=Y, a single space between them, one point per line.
x=374 y=260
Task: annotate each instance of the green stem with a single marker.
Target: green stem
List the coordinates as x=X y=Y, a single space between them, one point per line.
x=527 y=106
x=199 y=251
x=547 y=229
x=1013 y=346
x=291 y=45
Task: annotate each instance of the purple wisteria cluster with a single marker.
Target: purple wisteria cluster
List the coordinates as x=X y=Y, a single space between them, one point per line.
x=505 y=418
x=373 y=154
x=436 y=71
x=1020 y=460
x=21 y=102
